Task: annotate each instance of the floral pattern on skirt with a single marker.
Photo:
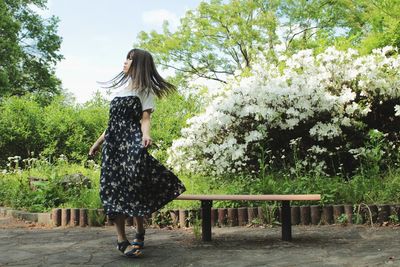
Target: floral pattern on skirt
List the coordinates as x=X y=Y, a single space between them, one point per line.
x=132 y=181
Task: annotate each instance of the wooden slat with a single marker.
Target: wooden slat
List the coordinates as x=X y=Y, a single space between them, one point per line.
x=250 y=197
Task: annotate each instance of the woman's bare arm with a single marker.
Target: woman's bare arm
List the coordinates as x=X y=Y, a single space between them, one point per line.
x=95 y=147
x=145 y=124
x=100 y=140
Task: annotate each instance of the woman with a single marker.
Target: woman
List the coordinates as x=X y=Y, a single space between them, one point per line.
x=132 y=182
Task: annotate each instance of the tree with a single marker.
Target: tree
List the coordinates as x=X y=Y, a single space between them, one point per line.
x=362 y=24
x=29 y=50
x=215 y=39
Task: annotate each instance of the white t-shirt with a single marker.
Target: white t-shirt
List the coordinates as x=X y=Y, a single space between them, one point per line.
x=146 y=100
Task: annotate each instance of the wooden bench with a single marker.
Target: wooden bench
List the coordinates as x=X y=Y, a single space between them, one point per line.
x=206 y=204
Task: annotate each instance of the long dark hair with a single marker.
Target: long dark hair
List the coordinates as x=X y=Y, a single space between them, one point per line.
x=143 y=74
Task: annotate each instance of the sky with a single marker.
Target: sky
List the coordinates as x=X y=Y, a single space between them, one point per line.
x=97 y=34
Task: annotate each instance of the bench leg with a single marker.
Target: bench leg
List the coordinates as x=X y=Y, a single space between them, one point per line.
x=206 y=219
x=286 y=221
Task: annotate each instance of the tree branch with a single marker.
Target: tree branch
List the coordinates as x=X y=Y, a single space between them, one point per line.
x=192 y=72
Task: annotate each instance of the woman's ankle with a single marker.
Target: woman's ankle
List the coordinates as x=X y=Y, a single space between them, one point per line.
x=121 y=238
x=140 y=235
x=140 y=231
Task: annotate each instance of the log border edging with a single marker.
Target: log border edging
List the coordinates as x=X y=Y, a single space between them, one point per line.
x=221 y=217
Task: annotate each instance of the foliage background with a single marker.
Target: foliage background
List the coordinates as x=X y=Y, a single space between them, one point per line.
x=220 y=39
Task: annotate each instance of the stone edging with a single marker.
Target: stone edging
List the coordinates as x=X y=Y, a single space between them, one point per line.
x=42 y=217
x=303 y=215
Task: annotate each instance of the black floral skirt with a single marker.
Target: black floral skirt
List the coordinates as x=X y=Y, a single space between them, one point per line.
x=132 y=181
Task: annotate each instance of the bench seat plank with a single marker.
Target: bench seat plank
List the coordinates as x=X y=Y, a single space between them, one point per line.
x=250 y=197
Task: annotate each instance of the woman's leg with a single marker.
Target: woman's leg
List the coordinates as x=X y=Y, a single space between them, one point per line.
x=120 y=227
x=139 y=224
x=128 y=250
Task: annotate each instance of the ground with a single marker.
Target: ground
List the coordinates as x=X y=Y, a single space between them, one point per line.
x=24 y=244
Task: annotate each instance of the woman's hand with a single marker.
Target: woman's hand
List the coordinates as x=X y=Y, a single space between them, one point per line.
x=147 y=141
x=93 y=150
x=96 y=145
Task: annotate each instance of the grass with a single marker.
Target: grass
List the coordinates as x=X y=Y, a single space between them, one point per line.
x=15 y=191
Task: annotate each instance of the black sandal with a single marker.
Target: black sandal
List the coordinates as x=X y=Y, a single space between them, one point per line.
x=133 y=253
x=139 y=237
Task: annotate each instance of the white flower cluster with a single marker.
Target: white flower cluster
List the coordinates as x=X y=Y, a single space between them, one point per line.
x=397 y=109
x=341 y=84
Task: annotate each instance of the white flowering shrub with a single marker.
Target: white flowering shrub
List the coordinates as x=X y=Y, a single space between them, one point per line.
x=309 y=109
